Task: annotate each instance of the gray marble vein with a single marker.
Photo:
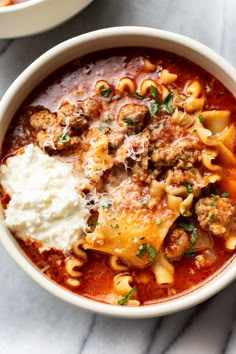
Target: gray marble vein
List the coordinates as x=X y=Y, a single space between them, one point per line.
x=33 y=321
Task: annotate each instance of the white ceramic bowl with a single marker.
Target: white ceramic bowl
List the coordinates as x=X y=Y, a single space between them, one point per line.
x=36 y=16
x=58 y=56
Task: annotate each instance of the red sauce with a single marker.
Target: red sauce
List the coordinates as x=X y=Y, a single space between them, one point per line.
x=110 y=65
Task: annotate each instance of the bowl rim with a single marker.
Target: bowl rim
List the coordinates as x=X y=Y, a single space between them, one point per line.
x=21 y=6
x=162 y=308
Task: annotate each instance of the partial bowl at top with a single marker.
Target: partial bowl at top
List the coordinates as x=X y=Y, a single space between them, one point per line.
x=34 y=16
x=140 y=103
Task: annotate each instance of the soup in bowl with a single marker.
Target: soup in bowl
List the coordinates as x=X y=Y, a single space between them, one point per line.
x=118 y=172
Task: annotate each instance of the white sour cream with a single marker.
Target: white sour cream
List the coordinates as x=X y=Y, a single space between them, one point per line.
x=44 y=206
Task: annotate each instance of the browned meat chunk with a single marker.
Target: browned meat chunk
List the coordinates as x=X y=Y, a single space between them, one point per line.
x=132 y=116
x=215 y=214
x=90 y=107
x=205 y=259
x=43 y=119
x=71 y=115
x=177 y=244
x=183 y=154
x=115 y=139
x=57 y=131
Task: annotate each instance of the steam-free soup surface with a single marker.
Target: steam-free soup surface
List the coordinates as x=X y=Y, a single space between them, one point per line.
x=125 y=168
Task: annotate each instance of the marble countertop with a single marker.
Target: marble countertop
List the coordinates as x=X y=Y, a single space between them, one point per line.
x=33 y=321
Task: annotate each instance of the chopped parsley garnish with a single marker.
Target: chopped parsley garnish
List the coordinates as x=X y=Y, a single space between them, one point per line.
x=189 y=254
x=212 y=204
x=128 y=296
x=144 y=200
x=201 y=118
x=147 y=249
x=142 y=238
x=194 y=130
x=159 y=221
x=116 y=97
x=108 y=118
x=189 y=188
x=107 y=205
x=213 y=196
x=155 y=108
x=164 y=123
x=156 y=126
x=116 y=226
x=216 y=190
x=106 y=92
x=185 y=212
x=194 y=238
x=128 y=121
x=137 y=95
x=102 y=129
x=156 y=147
x=108 y=100
x=91 y=202
x=64 y=138
x=118 y=282
x=186 y=227
x=154 y=92
x=224 y=195
x=212 y=218
x=168 y=103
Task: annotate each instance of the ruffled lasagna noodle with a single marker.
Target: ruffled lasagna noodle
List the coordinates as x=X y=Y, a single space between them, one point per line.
x=150 y=139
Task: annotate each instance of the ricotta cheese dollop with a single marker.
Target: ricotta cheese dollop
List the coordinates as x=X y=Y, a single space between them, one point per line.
x=44 y=206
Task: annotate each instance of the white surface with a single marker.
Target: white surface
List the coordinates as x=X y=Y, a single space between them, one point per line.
x=36 y=16
x=32 y=321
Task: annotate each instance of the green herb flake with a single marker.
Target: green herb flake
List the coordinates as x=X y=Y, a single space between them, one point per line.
x=185 y=212
x=116 y=226
x=189 y=254
x=159 y=221
x=224 y=195
x=212 y=218
x=201 y=118
x=156 y=126
x=193 y=239
x=80 y=280
x=102 y=129
x=155 y=108
x=106 y=92
x=64 y=138
x=144 y=200
x=108 y=118
x=156 y=147
x=213 y=196
x=212 y=204
x=118 y=282
x=107 y=206
x=168 y=103
x=142 y=238
x=144 y=248
x=137 y=95
x=189 y=188
x=108 y=100
x=216 y=190
x=154 y=92
x=187 y=227
x=116 y=97
x=194 y=130
x=128 y=296
x=128 y=121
